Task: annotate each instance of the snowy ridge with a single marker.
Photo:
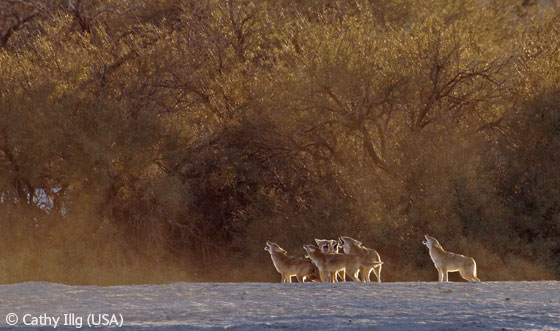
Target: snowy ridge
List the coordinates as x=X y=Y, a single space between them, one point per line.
x=244 y=306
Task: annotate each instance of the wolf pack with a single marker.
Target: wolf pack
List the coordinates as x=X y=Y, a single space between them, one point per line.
x=331 y=260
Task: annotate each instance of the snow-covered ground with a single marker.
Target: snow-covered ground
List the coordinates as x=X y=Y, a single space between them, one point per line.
x=244 y=306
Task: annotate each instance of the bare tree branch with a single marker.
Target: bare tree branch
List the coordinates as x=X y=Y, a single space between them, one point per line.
x=16 y=26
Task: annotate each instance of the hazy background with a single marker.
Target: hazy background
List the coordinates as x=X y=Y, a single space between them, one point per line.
x=155 y=141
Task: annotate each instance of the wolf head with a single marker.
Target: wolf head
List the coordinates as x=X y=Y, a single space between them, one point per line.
x=431 y=242
x=274 y=248
x=346 y=243
x=327 y=246
x=310 y=249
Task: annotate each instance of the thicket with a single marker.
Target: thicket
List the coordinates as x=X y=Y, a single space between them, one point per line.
x=153 y=141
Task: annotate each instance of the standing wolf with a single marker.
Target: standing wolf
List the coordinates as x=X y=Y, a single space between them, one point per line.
x=289 y=266
x=445 y=261
x=329 y=264
x=331 y=246
x=369 y=258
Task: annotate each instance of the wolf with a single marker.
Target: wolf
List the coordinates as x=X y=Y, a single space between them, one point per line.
x=446 y=262
x=369 y=258
x=329 y=264
x=289 y=266
x=331 y=246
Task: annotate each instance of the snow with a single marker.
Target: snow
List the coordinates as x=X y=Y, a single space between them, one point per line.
x=245 y=306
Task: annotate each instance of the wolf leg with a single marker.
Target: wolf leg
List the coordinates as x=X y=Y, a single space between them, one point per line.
x=377 y=272
x=354 y=275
